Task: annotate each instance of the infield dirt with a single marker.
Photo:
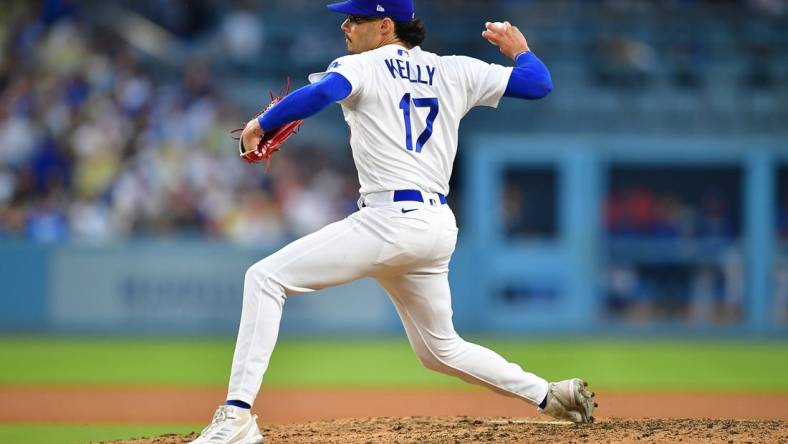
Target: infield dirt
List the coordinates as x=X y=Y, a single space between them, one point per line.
x=418 y=430
x=414 y=416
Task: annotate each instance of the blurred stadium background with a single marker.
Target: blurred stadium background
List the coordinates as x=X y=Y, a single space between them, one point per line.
x=646 y=197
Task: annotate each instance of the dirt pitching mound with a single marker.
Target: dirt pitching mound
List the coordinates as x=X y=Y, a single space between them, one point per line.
x=418 y=430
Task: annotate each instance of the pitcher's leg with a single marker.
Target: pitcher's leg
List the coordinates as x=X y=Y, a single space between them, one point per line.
x=339 y=253
x=424 y=305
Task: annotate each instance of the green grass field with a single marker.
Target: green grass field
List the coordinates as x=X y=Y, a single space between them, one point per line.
x=610 y=365
x=68 y=434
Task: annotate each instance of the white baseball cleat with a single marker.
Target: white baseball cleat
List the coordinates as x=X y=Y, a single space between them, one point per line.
x=569 y=400
x=231 y=425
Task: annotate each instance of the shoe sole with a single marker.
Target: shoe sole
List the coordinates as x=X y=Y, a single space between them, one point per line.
x=585 y=400
x=253 y=440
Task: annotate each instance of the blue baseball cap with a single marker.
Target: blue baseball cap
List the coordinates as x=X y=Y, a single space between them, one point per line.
x=399 y=10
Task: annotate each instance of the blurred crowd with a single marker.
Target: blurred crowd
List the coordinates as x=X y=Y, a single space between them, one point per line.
x=94 y=148
x=698 y=292
x=100 y=142
x=649 y=213
x=670 y=254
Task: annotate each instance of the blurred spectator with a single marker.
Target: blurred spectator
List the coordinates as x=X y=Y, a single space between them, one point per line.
x=713 y=219
x=717 y=291
x=46 y=222
x=624 y=62
x=704 y=293
x=258 y=221
x=529 y=203
x=734 y=286
x=635 y=211
x=17 y=137
x=243 y=35
x=514 y=215
x=686 y=61
x=7 y=185
x=626 y=293
x=759 y=73
x=52 y=10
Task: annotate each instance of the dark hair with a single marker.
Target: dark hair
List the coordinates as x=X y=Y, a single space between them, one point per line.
x=412 y=33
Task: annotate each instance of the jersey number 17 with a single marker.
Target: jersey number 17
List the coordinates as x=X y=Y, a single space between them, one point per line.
x=405 y=106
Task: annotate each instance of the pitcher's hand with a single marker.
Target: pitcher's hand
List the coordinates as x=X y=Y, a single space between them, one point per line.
x=251 y=136
x=507 y=37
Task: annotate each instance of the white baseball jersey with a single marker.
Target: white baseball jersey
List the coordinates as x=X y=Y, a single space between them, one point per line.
x=404 y=113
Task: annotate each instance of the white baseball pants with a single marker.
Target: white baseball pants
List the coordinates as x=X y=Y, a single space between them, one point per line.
x=408 y=253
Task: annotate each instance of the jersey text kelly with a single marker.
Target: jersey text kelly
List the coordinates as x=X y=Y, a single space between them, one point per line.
x=402 y=69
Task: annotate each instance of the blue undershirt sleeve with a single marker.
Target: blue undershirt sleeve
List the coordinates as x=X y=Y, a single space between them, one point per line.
x=307 y=101
x=530 y=78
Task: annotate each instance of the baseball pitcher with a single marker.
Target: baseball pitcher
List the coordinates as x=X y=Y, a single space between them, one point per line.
x=404 y=106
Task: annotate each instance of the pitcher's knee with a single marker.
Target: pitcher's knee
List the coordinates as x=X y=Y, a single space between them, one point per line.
x=440 y=355
x=431 y=362
x=259 y=276
x=255 y=274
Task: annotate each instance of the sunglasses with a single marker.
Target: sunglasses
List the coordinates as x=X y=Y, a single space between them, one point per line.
x=356 y=19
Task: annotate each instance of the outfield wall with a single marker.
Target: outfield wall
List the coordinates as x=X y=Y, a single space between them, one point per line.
x=175 y=287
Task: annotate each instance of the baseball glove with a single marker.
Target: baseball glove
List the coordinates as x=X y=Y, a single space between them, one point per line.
x=272 y=140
